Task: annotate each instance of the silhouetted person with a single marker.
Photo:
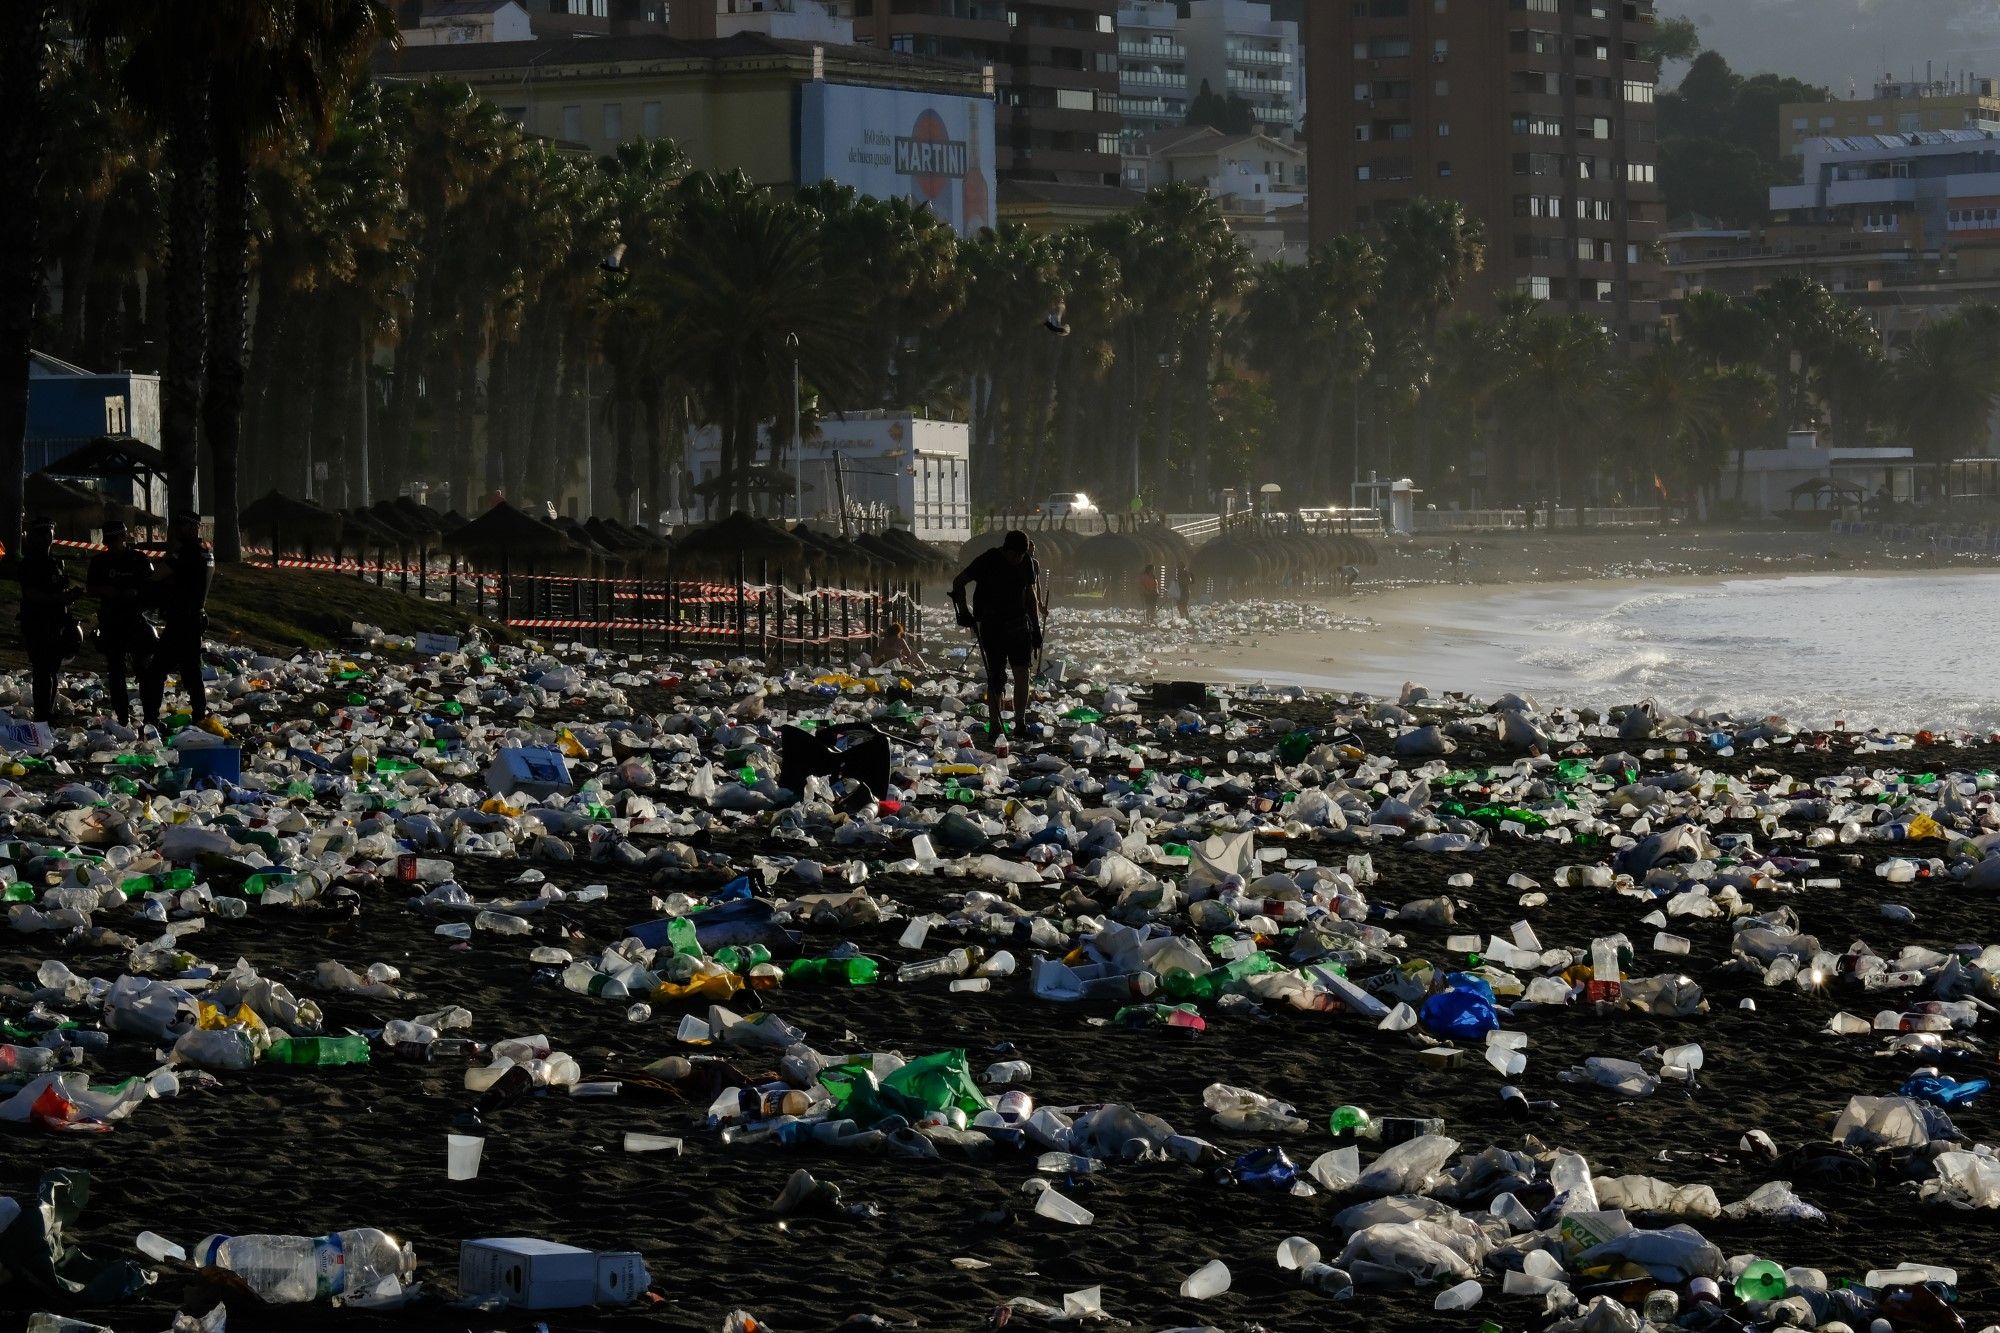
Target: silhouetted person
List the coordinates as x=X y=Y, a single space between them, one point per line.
x=181 y=588
x=48 y=628
x=1005 y=615
x=121 y=579
x=1184 y=587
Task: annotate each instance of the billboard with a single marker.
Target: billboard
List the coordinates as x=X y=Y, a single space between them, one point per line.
x=933 y=149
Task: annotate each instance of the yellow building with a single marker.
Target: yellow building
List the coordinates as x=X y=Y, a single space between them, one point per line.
x=1896 y=108
x=730 y=103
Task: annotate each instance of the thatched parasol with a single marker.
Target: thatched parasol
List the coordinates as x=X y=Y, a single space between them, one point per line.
x=1112 y=552
x=291 y=524
x=719 y=545
x=504 y=532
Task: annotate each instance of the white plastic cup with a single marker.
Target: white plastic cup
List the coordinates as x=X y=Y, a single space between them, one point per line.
x=462 y=1155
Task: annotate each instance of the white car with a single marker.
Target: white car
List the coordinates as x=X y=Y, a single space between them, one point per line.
x=1067 y=504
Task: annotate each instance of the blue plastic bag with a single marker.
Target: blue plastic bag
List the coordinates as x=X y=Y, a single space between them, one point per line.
x=1459 y=1015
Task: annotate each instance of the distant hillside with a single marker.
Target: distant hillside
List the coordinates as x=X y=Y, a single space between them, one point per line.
x=1843 y=42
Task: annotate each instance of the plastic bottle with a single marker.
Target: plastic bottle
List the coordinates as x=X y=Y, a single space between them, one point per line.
x=1762 y=1281
x=954 y=964
x=318 y=1051
x=1351 y=1121
x=833 y=971
x=287 y=1270
x=1605 y=986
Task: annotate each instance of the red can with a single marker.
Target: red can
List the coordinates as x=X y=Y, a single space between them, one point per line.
x=406 y=867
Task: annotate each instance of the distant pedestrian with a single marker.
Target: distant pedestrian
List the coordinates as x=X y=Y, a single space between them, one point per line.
x=1149 y=593
x=1454 y=554
x=181 y=589
x=48 y=626
x=897 y=647
x=120 y=578
x=1184 y=588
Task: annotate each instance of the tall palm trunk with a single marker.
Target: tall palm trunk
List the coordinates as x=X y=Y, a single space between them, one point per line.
x=222 y=405
x=24 y=145
x=79 y=266
x=190 y=213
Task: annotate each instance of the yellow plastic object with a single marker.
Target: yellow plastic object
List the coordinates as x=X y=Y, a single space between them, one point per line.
x=213 y=726
x=954 y=770
x=211 y=1018
x=1923 y=826
x=717 y=985
x=496 y=806
x=570 y=745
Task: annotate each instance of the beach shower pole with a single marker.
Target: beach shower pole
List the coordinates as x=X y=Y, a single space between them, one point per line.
x=798 y=460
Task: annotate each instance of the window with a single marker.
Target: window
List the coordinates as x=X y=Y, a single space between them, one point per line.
x=1444 y=168
x=1826 y=122
x=1537 y=164
x=1545 y=125
x=114 y=415
x=1875 y=122
x=1442 y=88
x=649 y=119
x=1075 y=99
x=1535 y=288
x=1363 y=91
x=573 y=124
x=1631 y=254
x=1361 y=173
x=614 y=122
x=1534 y=6
x=1640 y=173
x=1586 y=168
x=1381 y=9
x=1382 y=48
x=1638 y=90
x=1361 y=133
x=1444 y=129
x=1532 y=42
x=1105 y=23
x=1593 y=127
x=1592 y=48
x=1596 y=291
x=1440 y=48
x=1798 y=122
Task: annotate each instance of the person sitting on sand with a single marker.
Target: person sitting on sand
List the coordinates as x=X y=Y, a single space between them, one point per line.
x=896 y=646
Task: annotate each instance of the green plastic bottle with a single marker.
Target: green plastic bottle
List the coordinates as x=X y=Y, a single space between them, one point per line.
x=1347 y=1120
x=321 y=1051
x=1762 y=1281
x=741 y=958
x=833 y=971
x=682 y=936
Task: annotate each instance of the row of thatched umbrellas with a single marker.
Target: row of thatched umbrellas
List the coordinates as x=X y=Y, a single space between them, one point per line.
x=1241 y=556
x=505 y=533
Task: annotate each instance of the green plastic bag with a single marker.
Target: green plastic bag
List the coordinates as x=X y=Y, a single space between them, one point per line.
x=937 y=1082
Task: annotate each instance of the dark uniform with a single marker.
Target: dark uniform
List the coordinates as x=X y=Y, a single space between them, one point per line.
x=182 y=592
x=121 y=579
x=48 y=630
x=1006 y=615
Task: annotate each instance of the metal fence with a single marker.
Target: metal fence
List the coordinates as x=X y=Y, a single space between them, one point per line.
x=1529 y=520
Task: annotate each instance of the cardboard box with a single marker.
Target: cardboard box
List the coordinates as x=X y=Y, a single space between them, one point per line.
x=534 y=769
x=532 y=1274
x=434 y=644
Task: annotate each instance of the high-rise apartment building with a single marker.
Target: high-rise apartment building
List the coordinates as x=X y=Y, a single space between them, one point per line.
x=1239 y=50
x=1055 y=63
x=1153 y=86
x=1536 y=115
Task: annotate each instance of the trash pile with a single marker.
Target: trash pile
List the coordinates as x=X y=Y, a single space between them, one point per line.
x=1457 y=1011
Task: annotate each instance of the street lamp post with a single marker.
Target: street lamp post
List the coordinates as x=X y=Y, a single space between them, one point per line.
x=798 y=459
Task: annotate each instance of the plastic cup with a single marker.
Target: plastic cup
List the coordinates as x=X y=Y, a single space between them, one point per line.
x=462 y=1155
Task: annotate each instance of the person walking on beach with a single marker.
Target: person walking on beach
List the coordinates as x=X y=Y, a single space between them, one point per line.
x=1005 y=616
x=1184 y=586
x=48 y=628
x=120 y=578
x=1149 y=593
x=1453 y=554
x=182 y=585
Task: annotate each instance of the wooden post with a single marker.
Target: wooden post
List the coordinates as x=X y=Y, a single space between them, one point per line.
x=846 y=626
x=764 y=608
x=739 y=603
x=505 y=589
x=453 y=567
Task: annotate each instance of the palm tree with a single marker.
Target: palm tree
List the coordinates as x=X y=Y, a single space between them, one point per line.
x=1671 y=402
x=1430 y=250
x=1945 y=384
x=293 y=80
x=746 y=276
x=1308 y=332
x=24 y=142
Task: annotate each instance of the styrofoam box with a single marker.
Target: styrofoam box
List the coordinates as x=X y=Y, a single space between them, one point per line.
x=545 y=1275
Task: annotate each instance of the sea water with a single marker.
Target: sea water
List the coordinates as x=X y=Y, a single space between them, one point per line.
x=1899 y=651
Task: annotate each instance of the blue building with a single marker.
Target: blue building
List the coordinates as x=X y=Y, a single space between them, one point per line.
x=69 y=406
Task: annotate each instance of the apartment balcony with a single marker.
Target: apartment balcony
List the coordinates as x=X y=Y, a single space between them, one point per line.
x=1153 y=50
x=1237 y=54
x=1152 y=78
x=1894 y=190
x=1793 y=198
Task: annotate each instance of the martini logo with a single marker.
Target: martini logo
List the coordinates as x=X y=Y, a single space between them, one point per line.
x=931 y=155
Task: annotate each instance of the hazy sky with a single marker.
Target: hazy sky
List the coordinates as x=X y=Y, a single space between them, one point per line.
x=1837 y=41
